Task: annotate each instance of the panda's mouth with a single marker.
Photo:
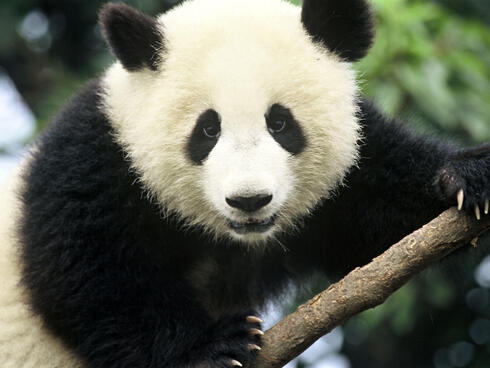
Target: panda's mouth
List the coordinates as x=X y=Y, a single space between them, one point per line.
x=252 y=225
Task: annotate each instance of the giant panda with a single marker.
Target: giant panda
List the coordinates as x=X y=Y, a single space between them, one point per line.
x=226 y=155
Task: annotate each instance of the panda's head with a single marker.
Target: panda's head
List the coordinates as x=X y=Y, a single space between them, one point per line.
x=239 y=116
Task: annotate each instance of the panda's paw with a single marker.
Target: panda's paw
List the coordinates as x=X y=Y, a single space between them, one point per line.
x=232 y=341
x=464 y=181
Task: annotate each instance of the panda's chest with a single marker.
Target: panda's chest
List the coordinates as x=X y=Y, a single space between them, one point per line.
x=226 y=285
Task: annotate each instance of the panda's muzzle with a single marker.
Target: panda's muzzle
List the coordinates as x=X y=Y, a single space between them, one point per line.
x=252 y=225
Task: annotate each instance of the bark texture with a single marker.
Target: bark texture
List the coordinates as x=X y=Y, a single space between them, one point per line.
x=368 y=286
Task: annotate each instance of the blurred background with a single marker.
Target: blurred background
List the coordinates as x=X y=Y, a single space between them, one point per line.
x=430 y=66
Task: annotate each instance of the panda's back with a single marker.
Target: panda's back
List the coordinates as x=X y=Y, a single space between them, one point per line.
x=23 y=341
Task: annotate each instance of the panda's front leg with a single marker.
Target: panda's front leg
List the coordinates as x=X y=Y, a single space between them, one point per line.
x=232 y=341
x=464 y=180
x=168 y=335
x=403 y=180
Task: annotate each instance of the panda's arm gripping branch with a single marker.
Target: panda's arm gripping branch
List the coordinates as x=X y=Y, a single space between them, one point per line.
x=402 y=181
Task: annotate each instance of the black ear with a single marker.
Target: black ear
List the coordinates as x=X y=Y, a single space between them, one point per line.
x=345 y=27
x=133 y=37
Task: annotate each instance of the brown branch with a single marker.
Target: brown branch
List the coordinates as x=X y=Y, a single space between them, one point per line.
x=367 y=287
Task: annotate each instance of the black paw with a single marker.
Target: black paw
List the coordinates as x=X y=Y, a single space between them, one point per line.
x=465 y=181
x=232 y=341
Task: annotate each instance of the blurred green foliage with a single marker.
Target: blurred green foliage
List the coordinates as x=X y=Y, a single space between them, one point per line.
x=430 y=66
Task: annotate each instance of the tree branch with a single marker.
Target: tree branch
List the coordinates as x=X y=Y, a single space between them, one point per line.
x=367 y=287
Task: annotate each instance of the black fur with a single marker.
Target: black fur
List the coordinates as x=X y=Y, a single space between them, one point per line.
x=134 y=38
x=345 y=27
x=199 y=144
x=118 y=283
x=291 y=137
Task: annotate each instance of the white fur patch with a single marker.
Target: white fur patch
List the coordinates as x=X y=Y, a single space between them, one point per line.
x=238 y=57
x=24 y=342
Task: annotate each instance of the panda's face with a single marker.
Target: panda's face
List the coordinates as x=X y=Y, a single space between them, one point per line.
x=246 y=160
x=245 y=126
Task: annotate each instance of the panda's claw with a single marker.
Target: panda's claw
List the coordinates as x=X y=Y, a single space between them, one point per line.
x=460 y=199
x=254 y=319
x=235 y=363
x=256 y=331
x=252 y=347
x=486 y=206
x=477 y=212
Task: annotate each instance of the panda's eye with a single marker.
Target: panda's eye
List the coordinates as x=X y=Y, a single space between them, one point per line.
x=212 y=131
x=277 y=126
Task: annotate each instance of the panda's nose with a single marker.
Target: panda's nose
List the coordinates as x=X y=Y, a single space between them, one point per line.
x=250 y=204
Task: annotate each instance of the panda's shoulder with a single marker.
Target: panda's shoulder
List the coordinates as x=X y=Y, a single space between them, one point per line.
x=80 y=121
x=77 y=145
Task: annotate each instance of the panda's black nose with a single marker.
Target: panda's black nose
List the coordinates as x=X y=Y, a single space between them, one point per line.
x=250 y=204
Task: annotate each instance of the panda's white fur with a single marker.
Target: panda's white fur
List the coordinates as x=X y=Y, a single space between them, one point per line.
x=240 y=74
x=24 y=342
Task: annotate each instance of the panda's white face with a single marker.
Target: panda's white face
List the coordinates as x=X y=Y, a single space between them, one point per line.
x=247 y=124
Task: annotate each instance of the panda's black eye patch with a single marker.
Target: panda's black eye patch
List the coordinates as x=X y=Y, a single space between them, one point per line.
x=204 y=136
x=285 y=129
